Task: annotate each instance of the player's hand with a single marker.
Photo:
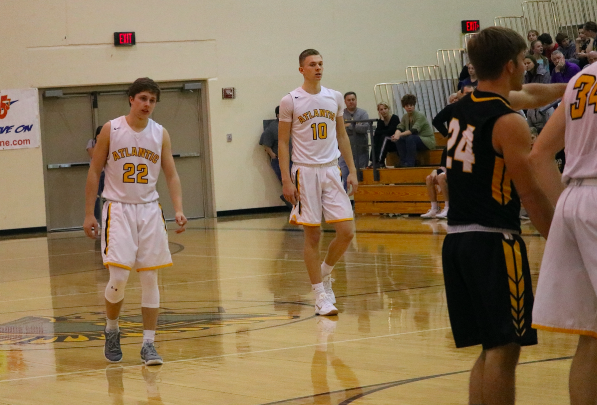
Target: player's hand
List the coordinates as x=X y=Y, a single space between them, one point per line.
x=91 y=227
x=290 y=193
x=181 y=221
x=352 y=184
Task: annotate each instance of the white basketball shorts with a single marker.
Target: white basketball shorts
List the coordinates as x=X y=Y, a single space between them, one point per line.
x=134 y=236
x=566 y=298
x=321 y=192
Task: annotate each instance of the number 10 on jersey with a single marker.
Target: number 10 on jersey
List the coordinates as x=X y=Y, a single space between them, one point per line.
x=464 y=150
x=320 y=131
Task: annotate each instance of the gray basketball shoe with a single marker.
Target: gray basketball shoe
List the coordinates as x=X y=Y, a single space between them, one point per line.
x=112 y=346
x=150 y=356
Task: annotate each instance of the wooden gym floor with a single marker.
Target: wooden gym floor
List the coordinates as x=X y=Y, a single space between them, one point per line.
x=237 y=323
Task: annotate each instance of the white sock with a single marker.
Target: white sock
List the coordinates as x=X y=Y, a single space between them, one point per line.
x=148 y=336
x=112 y=324
x=447 y=205
x=434 y=205
x=318 y=288
x=326 y=269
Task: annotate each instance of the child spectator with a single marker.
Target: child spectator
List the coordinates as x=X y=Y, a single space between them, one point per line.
x=535 y=73
x=537 y=52
x=413 y=133
x=567 y=47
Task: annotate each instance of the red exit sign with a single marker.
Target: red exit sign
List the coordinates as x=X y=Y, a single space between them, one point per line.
x=124 y=39
x=470 y=26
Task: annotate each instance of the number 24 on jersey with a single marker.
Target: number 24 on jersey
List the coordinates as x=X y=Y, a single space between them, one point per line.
x=464 y=150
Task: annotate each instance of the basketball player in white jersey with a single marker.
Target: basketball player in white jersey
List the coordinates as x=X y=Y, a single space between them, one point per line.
x=132 y=149
x=566 y=299
x=312 y=115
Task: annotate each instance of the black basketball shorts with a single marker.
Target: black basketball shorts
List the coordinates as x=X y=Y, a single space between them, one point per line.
x=488 y=288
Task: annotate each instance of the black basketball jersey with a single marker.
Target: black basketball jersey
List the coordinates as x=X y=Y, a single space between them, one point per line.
x=481 y=192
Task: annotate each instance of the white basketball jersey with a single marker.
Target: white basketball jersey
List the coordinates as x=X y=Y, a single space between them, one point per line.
x=581 y=125
x=313 y=118
x=134 y=162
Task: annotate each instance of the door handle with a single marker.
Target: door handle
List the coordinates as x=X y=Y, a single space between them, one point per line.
x=66 y=165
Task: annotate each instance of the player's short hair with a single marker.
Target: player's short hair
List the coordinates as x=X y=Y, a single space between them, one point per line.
x=306 y=53
x=350 y=93
x=557 y=52
x=277 y=110
x=590 y=26
x=383 y=103
x=492 y=48
x=144 y=84
x=409 y=99
x=534 y=32
x=561 y=37
x=545 y=39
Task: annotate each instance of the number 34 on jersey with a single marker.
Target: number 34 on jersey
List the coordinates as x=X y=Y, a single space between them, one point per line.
x=464 y=150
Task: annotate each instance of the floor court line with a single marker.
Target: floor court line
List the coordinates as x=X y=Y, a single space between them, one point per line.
x=227 y=355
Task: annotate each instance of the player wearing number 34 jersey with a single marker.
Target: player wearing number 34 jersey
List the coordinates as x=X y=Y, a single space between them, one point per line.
x=567 y=287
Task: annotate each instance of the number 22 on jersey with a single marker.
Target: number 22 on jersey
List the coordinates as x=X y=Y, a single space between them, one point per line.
x=464 y=150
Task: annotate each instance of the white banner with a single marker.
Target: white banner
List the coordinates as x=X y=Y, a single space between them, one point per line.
x=19 y=119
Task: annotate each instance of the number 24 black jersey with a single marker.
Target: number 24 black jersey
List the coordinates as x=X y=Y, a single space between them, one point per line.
x=481 y=191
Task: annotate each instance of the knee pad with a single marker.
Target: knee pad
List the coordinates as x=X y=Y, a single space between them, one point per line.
x=150 y=293
x=115 y=288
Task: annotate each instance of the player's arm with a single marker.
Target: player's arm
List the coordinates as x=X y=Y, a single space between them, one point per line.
x=173 y=181
x=270 y=152
x=346 y=151
x=535 y=95
x=98 y=161
x=284 y=126
x=543 y=154
x=512 y=139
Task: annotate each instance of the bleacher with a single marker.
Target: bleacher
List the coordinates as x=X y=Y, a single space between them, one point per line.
x=403 y=190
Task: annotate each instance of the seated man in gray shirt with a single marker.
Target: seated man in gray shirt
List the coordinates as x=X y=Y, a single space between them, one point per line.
x=357 y=135
x=269 y=141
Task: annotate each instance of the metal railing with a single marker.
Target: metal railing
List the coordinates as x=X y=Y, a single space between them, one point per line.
x=430 y=87
x=518 y=24
x=384 y=92
x=450 y=62
x=541 y=16
x=572 y=13
x=369 y=148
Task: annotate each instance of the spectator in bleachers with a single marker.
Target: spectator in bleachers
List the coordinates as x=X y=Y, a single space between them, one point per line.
x=269 y=141
x=471 y=79
x=413 y=133
x=358 y=133
x=535 y=73
x=537 y=52
x=592 y=58
x=532 y=35
x=563 y=70
x=437 y=178
x=584 y=45
x=537 y=117
x=548 y=46
x=386 y=127
x=591 y=33
x=567 y=47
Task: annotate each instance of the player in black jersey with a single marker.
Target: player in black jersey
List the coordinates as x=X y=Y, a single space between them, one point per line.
x=486 y=272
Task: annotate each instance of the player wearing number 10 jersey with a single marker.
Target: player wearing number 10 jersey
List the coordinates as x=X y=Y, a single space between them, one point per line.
x=132 y=149
x=486 y=272
x=312 y=115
